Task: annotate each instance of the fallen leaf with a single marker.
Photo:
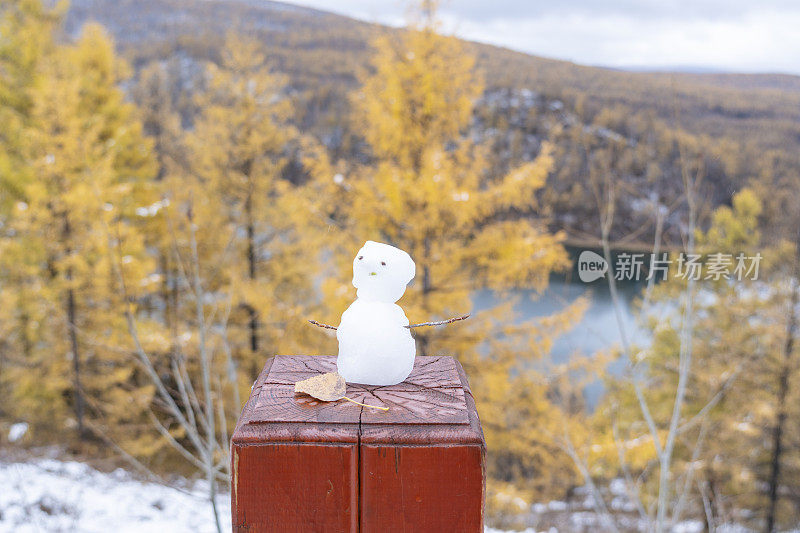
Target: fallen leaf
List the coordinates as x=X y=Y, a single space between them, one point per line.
x=327 y=387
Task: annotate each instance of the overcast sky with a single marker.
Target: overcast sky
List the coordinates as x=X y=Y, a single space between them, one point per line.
x=721 y=35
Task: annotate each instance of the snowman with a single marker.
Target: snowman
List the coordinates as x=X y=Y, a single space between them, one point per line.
x=375 y=342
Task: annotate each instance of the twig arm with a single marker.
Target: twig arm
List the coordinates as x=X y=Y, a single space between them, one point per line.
x=320 y=324
x=422 y=324
x=438 y=322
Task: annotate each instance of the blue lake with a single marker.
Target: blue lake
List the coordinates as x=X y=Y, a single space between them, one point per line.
x=597 y=330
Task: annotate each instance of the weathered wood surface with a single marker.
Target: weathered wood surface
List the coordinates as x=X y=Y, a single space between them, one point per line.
x=303 y=487
x=430 y=371
x=421 y=488
x=432 y=394
x=303 y=465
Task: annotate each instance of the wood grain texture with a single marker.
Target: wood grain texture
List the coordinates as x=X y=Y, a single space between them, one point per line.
x=428 y=371
x=436 y=472
x=303 y=465
x=419 y=434
x=432 y=394
x=416 y=406
x=295 y=487
x=421 y=488
x=251 y=430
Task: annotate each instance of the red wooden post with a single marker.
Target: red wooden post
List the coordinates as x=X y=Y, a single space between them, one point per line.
x=303 y=465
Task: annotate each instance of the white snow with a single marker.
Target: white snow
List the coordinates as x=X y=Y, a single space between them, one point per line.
x=55 y=496
x=617 y=487
x=66 y=496
x=381 y=272
x=557 y=505
x=152 y=209
x=689 y=526
x=492 y=530
x=17 y=431
x=375 y=347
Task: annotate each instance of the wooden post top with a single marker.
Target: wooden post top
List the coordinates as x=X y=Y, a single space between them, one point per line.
x=433 y=406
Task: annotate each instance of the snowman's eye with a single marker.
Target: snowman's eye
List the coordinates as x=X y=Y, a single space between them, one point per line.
x=383 y=263
x=360 y=257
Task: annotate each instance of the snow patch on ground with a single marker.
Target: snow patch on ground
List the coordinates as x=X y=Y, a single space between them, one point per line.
x=55 y=496
x=67 y=496
x=60 y=496
x=17 y=431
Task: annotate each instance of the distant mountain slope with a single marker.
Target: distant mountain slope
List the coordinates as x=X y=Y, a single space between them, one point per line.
x=315 y=46
x=142 y=26
x=739 y=119
x=779 y=82
x=310 y=45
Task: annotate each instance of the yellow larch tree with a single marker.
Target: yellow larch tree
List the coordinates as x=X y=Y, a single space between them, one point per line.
x=25 y=39
x=26 y=28
x=741 y=387
x=246 y=157
x=71 y=225
x=428 y=189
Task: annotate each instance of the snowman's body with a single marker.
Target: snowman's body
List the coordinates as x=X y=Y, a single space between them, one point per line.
x=375 y=347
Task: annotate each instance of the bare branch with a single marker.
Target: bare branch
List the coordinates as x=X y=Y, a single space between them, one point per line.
x=686 y=336
x=178 y=377
x=189 y=456
x=598 y=503
x=438 y=322
x=626 y=345
x=225 y=446
x=420 y=325
x=142 y=356
x=651 y=281
x=720 y=394
x=205 y=368
x=689 y=475
x=230 y=363
x=102 y=434
x=320 y=324
x=631 y=486
x=706 y=505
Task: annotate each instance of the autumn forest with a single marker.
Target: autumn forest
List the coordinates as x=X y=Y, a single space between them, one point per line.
x=175 y=206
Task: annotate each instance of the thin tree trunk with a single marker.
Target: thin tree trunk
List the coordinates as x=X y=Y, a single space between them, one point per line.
x=76 y=359
x=686 y=337
x=205 y=367
x=166 y=296
x=783 y=391
x=27 y=344
x=73 y=338
x=422 y=338
x=251 y=265
x=777 y=444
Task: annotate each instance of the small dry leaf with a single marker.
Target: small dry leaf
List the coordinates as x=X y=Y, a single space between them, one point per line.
x=326 y=387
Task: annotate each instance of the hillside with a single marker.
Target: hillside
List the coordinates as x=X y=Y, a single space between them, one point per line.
x=739 y=124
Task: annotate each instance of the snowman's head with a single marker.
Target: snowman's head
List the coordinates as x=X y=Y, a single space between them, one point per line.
x=381 y=272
